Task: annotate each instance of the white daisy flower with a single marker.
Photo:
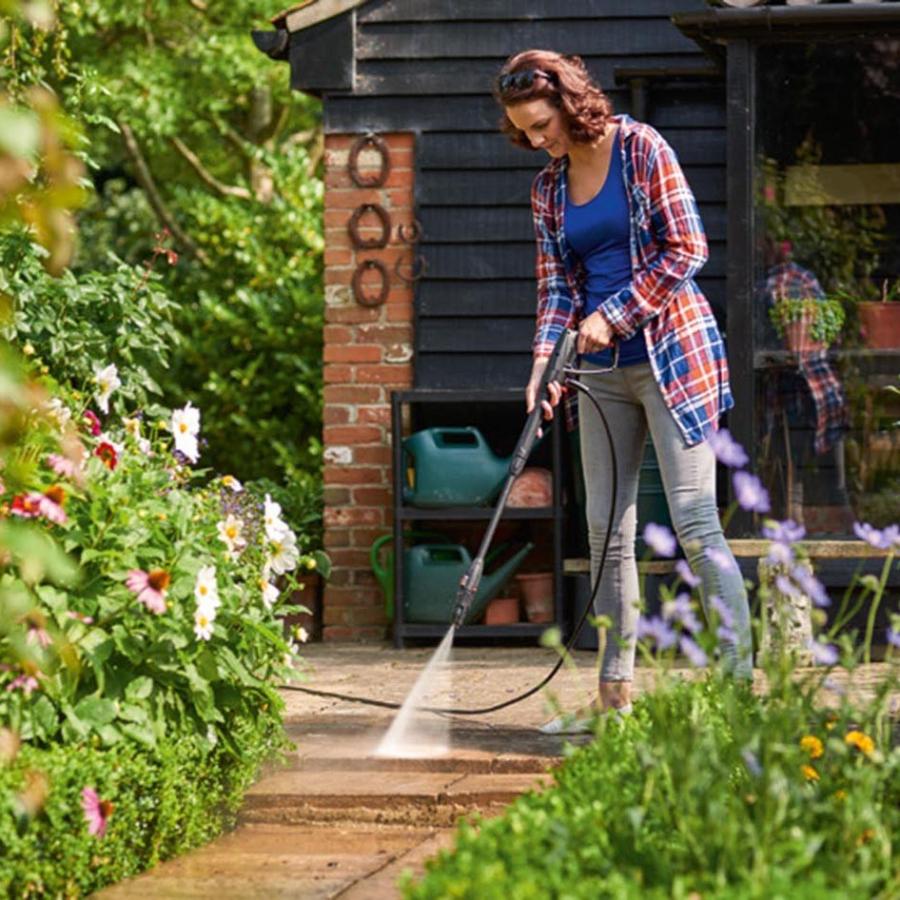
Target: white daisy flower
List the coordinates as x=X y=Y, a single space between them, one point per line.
x=59 y=412
x=206 y=590
x=185 y=428
x=107 y=381
x=231 y=482
x=302 y=635
x=230 y=533
x=275 y=526
x=270 y=593
x=283 y=553
x=203 y=624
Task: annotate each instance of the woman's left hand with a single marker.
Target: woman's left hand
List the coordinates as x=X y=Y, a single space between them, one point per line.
x=594 y=334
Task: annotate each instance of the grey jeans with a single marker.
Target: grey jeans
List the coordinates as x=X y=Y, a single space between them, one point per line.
x=632 y=402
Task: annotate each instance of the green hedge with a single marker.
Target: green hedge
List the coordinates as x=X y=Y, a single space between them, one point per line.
x=704 y=791
x=166 y=801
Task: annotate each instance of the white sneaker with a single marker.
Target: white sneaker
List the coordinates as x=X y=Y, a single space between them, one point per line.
x=570 y=723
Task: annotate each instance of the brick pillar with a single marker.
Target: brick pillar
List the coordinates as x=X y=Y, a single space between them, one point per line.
x=368 y=352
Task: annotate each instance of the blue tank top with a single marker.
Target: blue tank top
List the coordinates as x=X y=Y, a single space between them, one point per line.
x=599 y=233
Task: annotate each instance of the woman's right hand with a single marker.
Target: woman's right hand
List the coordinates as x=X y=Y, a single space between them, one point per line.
x=554 y=390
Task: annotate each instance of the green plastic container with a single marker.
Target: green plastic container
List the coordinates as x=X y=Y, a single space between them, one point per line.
x=451 y=467
x=432 y=573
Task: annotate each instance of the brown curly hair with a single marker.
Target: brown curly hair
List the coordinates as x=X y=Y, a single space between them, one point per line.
x=569 y=87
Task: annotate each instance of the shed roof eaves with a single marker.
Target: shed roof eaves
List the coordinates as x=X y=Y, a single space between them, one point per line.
x=310 y=12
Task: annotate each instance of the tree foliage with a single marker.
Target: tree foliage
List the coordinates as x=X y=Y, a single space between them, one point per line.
x=188 y=128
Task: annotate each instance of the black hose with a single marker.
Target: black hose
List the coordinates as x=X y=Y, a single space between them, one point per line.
x=389 y=704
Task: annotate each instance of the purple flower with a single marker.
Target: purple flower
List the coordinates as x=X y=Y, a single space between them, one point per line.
x=780 y=554
x=881 y=540
x=726 y=635
x=893 y=637
x=723 y=611
x=656 y=630
x=751 y=495
x=728 y=451
x=823 y=654
x=725 y=562
x=692 y=651
x=681 y=610
x=751 y=762
x=686 y=575
x=660 y=539
x=786 y=587
x=786 y=532
x=811 y=586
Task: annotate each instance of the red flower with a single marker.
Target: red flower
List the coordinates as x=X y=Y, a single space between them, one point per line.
x=27 y=506
x=107 y=454
x=93 y=421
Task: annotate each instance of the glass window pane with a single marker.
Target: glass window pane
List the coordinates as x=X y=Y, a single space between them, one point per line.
x=827 y=304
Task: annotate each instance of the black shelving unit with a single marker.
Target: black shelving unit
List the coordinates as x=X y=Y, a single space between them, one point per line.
x=479 y=400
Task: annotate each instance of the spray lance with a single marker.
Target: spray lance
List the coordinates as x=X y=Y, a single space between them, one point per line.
x=562 y=358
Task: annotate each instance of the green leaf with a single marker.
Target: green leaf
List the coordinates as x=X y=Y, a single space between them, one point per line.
x=140 y=688
x=95 y=711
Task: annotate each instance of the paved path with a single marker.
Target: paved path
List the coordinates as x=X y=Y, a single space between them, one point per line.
x=340 y=822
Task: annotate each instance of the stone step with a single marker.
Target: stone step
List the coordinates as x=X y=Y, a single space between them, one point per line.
x=421 y=798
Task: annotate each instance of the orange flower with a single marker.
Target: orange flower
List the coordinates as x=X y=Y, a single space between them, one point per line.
x=809 y=773
x=812 y=745
x=107 y=454
x=861 y=741
x=56 y=494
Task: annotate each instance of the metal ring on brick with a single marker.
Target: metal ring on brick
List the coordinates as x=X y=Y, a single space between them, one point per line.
x=369 y=140
x=362 y=298
x=375 y=243
x=416 y=269
x=413 y=236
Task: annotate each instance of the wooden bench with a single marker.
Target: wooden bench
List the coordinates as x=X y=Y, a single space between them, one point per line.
x=787 y=618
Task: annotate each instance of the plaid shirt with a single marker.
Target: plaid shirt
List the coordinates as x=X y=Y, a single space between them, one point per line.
x=668 y=248
x=788 y=281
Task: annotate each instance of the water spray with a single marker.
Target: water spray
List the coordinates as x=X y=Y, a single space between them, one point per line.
x=559 y=369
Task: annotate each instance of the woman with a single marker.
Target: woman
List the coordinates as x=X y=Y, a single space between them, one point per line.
x=619 y=241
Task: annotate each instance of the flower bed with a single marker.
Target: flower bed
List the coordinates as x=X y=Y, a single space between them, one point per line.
x=703 y=791
x=141 y=636
x=149 y=805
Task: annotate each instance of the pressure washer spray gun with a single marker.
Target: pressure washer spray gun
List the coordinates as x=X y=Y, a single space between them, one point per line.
x=562 y=357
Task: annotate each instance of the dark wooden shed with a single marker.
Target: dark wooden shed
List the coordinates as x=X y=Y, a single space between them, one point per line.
x=417 y=75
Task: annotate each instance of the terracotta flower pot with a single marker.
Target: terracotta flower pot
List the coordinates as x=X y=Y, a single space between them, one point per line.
x=798 y=335
x=502 y=611
x=536 y=589
x=879 y=324
x=533 y=488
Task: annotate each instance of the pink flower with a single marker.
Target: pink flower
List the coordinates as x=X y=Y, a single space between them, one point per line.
x=96 y=811
x=33 y=504
x=39 y=636
x=150 y=588
x=67 y=468
x=27 y=683
x=79 y=617
x=51 y=505
x=93 y=422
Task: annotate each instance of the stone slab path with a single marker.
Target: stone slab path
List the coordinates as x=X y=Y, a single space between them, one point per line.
x=336 y=821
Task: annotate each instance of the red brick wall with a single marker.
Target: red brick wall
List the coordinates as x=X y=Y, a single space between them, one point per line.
x=368 y=352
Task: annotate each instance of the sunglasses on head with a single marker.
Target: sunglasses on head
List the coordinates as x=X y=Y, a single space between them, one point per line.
x=517 y=81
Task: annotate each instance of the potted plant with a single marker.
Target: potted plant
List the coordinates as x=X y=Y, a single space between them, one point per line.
x=807 y=325
x=879 y=320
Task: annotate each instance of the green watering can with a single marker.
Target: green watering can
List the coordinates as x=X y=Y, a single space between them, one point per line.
x=432 y=574
x=451 y=467
x=383 y=563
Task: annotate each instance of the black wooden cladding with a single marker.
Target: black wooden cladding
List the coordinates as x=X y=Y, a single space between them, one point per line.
x=491 y=224
x=669 y=108
x=427 y=66
x=483 y=187
x=517 y=10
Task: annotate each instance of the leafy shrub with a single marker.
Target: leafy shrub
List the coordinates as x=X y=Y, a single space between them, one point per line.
x=703 y=790
x=72 y=322
x=165 y=802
